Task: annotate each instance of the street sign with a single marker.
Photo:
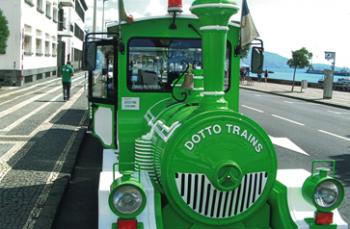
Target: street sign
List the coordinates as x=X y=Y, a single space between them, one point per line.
x=329 y=55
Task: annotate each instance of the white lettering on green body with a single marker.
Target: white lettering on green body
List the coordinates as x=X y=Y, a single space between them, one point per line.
x=217 y=129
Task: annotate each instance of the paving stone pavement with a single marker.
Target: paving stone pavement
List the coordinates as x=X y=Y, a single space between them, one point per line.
x=35 y=170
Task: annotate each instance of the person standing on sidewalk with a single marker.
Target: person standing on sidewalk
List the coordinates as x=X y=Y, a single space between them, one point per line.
x=266 y=74
x=67 y=73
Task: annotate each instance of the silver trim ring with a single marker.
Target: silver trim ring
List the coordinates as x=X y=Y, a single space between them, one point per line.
x=214 y=27
x=214 y=5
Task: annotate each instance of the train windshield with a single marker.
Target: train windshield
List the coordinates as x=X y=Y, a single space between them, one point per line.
x=154 y=63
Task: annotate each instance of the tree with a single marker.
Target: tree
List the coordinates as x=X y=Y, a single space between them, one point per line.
x=300 y=59
x=4 y=33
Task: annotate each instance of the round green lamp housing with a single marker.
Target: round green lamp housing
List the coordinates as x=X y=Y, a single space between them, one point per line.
x=324 y=192
x=127 y=197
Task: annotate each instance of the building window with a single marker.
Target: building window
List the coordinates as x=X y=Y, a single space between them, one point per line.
x=78 y=32
x=62 y=20
x=30 y=2
x=47 y=44
x=39 y=6
x=38 y=43
x=54 y=46
x=48 y=10
x=27 y=40
x=79 y=10
x=55 y=15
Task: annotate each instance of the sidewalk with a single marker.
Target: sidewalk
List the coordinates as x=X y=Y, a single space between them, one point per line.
x=339 y=98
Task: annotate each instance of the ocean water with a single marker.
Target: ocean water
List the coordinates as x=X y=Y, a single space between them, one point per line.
x=299 y=75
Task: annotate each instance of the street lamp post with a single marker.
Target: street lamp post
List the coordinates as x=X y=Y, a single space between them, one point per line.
x=103 y=14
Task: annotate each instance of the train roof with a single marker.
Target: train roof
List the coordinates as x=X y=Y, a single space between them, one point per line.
x=168 y=16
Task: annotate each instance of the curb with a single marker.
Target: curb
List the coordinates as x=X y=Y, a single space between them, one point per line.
x=298 y=98
x=59 y=187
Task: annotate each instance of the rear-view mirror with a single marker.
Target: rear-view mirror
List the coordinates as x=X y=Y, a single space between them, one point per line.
x=89 y=61
x=257 y=61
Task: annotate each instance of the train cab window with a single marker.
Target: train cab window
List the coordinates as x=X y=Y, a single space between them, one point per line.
x=154 y=63
x=103 y=80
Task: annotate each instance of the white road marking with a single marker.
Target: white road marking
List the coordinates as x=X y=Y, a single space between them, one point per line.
x=56 y=171
x=334 y=112
x=290 y=102
x=22 y=147
x=335 y=135
x=288 y=120
x=28 y=93
x=23 y=118
x=26 y=88
x=254 y=109
x=26 y=102
x=288 y=144
x=47 y=124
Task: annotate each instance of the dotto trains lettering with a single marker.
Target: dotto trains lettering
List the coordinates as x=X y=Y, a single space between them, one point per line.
x=163 y=96
x=217 y=129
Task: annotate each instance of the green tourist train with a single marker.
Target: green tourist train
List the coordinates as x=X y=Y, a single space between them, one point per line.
x=163 y=101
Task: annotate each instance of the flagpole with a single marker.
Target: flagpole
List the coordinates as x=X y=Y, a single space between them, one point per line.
x=94 y=18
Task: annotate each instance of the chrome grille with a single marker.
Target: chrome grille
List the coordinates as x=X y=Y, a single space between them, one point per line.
x=200 y=195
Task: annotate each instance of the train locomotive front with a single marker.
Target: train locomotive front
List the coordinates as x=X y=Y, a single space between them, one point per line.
x=215 y=166
x=192 y=163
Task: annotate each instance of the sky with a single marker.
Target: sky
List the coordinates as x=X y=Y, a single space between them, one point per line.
x=283 y=25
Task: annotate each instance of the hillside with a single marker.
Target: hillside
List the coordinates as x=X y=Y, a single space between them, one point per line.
x=277 y=62
x=271 y=61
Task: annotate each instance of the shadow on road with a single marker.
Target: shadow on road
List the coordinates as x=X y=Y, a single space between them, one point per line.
x=79 y=206
x=69 y=117
x=342 y=168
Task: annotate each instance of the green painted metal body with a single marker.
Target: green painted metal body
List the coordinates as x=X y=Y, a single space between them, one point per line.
x=131 y=124
x=203 y=136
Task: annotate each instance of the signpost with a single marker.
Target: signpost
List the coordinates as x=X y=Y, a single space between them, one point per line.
x=328 y=78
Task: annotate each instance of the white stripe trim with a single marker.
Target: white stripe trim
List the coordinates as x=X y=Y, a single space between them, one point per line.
x=214 y=27
x=198 y=89
x=213 y=93
x=198 y=77
x=175 y=8
x=214 y=5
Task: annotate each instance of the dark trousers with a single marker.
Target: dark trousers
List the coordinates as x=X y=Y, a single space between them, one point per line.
x=66 y=90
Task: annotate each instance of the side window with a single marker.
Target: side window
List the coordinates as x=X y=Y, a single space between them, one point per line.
x=103 y=80
x=154 y=63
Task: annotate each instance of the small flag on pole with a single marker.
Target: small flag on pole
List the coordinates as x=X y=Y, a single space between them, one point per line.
x=248 y=29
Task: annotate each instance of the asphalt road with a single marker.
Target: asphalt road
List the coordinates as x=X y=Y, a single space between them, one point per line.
x=321 y=131
x=38 y=134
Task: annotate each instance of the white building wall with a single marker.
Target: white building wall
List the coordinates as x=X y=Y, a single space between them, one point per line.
x=39 y=21
x=72 y=42
x=11 y=59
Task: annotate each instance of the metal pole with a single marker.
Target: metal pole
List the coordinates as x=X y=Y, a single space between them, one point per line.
x=103 y=15
x=94 y=18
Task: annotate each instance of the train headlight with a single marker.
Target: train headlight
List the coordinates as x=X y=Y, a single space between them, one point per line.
x=327 y=194
x=323 y=191
x=127 y=198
